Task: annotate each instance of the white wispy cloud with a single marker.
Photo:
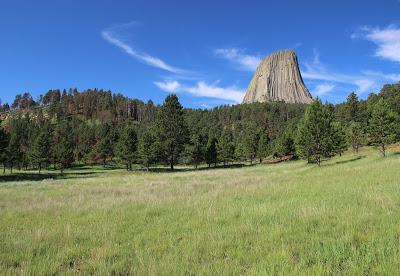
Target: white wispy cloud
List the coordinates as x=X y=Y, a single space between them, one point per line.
x=111 y=36
x=323 y=89
x=387 y=40
x=237 y=57
x=380 y=75
x=318 y=71
x=232 y=94
x=168 y=86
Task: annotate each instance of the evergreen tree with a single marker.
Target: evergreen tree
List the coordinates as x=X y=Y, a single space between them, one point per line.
x=240 y=151
x=195 y=150
x=382 y=126
x=3 y=147
x=285 y=144
x=147 y=149
x=85 y=141
x=352 y=108
x=262 y=149
x=356 y=135
x=14 y=152
x=63 y=153
x=250 y=141
x=339 y=139
x=171 y=130
x=40 y=148
x=104 y=148
x=211 y=152
x=316 y=134
x=226 y=147
x=127 y=146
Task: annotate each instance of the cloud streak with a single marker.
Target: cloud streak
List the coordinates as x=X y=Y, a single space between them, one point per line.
x=319 y=72
x=113 y=38
x=202 y=89
x=387 y=40
x=323 y=89
x=236 y=56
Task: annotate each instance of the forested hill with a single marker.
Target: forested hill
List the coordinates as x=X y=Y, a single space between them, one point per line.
x=96 y=126
x=92 y=104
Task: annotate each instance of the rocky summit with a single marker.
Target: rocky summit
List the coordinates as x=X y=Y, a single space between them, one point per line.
x=278 y=78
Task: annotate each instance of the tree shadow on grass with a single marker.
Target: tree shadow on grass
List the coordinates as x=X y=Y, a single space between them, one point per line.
x=26 y=176
x=191 y=169
x=353 y=159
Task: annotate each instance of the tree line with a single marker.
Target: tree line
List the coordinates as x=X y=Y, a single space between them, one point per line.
x=98 y=127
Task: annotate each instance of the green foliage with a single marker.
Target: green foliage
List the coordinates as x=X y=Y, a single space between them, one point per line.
x=262 y=148
x=382 y=126
x=317 y=134
x=352 y=108
x=171 y=130
x=147 y=149
x=40 y=148
x=226 y=147
x=97 y=119
x=127 y=145
x=14 y=149
x=85 y=137
x=356 y=136
x=391 y=94
x=285 y=144
x=195 y=150
x=3 y=146
x=250 y=141
x=339 y=139
x=104 y=148
x=63 y=149
x=211 y=156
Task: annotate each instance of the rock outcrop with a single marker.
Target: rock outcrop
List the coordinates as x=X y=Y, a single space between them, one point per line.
x=278 y=78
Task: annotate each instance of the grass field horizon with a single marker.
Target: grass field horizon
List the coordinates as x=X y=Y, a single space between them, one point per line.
x=286 y=218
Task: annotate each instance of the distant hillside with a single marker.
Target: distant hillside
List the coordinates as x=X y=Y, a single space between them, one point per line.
x=90 y=104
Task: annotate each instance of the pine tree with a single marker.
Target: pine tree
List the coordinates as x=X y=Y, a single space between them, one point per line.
x=262 y=149
x=14 y=152
x=285 y=144
x=171 y=130
x=250 y=141
x=356 y=135
x=241 y=152
x=211 y=152
x=316 y=134
x=352 y=108
x=195 y=150
x=104 y=148
x=85 y=140
x=147 y=149
x=127 y=146
x=3 y=147
x=339 y=139
x=63 y=152
x=225 y=147
x=382 y=126
x=40 y=148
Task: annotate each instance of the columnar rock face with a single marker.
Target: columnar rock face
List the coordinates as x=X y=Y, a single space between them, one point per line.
x=278 y=78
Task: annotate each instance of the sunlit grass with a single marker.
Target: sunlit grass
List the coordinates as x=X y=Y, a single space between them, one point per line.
x=288 y=218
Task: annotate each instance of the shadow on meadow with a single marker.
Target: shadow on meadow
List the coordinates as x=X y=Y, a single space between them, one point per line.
x=34 y=176
x=356 y=158
x=192 y=169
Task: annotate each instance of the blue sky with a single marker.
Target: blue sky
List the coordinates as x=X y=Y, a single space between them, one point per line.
x=205 y=51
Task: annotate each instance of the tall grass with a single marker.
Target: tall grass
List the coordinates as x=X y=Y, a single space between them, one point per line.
x=289 y=218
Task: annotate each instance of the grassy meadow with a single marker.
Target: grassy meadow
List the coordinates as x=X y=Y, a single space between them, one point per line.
x=289 y=219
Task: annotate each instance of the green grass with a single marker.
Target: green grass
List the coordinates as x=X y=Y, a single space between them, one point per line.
x=288 y=218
